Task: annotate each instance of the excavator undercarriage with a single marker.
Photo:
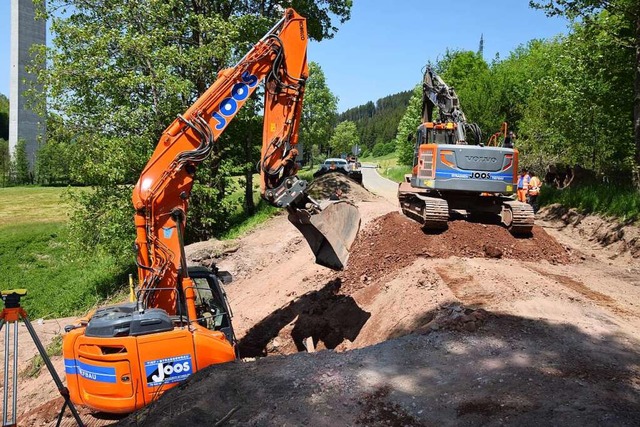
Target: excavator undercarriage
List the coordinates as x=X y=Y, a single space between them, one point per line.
x=454 y=172
x=433 y=209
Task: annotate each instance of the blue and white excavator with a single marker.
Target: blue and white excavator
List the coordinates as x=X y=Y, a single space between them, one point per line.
x=454 y=171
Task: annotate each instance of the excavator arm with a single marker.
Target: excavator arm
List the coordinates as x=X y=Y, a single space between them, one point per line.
x=436 y=93
x=161 y=196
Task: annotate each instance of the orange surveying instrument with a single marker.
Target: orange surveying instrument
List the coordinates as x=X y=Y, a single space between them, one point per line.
x=11 y=314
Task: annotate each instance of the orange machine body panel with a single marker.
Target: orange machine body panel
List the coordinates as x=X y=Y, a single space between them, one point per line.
x=125 y=374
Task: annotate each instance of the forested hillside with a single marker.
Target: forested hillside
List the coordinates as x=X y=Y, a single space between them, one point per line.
x=377 y=123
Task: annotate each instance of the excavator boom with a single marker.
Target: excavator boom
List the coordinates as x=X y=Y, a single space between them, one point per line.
x=161 y=195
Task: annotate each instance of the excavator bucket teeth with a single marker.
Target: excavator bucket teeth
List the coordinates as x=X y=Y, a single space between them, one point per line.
x=330 y=233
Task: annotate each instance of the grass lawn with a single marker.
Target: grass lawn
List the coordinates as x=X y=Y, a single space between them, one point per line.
x=36 y=251
x=370 y=159
x=388 y=166
x=35 y=254
x=32 y=205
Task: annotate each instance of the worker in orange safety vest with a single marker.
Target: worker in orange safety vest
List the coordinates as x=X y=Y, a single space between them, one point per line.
x=523 y=185
x=534 y=190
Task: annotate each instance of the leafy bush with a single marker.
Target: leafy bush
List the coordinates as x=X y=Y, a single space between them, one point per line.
x=103 y=218
x=209 y=214
x=381 y=149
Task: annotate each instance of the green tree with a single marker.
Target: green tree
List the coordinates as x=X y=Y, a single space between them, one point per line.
x=55 y=157
x=121 y=71
x=344 y=138
x=5 y=162
x=4 y=117
x=589 y=81
x=407 y=127
x=514 y=78
x=20 y=164
x=377 y=122
x=471 y=76
x=319 y=112
x=627 y=35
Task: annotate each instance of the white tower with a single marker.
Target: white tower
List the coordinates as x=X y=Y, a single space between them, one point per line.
x=24 y=123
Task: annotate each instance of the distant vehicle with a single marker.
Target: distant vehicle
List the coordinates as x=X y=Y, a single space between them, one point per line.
x=353 y=159
x=349 y=168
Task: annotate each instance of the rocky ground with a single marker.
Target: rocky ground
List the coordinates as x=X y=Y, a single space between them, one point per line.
x=470 y=326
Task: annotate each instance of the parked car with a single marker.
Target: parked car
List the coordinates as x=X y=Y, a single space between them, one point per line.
x=331 y=165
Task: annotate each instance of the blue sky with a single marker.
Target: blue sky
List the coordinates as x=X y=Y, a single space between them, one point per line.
x=381 y=50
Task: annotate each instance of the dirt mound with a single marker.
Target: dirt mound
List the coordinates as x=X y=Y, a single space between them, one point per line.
x=325 y=185
x=395 y=264
x=606 y=232
x=47 y=414
x=512 y=372
x=393 y=242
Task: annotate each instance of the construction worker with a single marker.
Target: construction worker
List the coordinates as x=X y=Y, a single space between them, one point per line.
x=509 y=140
x=534 y=190
x=523 y=185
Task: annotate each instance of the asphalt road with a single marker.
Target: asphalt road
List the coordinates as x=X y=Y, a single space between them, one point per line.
x=379 y=185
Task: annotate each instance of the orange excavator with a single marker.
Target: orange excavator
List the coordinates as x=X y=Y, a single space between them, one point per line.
x=126 y=355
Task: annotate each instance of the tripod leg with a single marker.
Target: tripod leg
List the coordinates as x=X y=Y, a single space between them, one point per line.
x=64 y=392
x=64 y=406
x=5 y=390
x=15 y=372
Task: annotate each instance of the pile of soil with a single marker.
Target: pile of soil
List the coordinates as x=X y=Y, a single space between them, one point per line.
x=341 y=310
x=511 y=372
x=324 y=186
x=394 y=241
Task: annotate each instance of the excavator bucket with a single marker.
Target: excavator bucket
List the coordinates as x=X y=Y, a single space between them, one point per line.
x=330 y=232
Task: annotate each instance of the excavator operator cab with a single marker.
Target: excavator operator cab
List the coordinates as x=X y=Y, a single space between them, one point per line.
x=212 y=307
x=437 y=133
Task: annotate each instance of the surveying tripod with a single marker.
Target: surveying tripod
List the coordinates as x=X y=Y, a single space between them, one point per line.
x=11 y=314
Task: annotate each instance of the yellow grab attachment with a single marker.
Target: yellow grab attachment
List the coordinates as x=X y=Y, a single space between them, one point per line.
x=330 y=232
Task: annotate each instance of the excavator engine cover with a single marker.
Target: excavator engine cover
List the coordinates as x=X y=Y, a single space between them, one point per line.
x=330 y=233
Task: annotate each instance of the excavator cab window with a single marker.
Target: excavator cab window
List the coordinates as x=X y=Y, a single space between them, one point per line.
x=212 y=308
x=440 y=136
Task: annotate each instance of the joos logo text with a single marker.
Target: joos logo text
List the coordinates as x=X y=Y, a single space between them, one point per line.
x=229 y=106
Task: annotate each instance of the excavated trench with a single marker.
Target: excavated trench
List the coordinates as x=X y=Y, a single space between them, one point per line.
x=335 y=313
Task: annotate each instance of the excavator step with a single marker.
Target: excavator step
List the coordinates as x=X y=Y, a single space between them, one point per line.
x=518 y=217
